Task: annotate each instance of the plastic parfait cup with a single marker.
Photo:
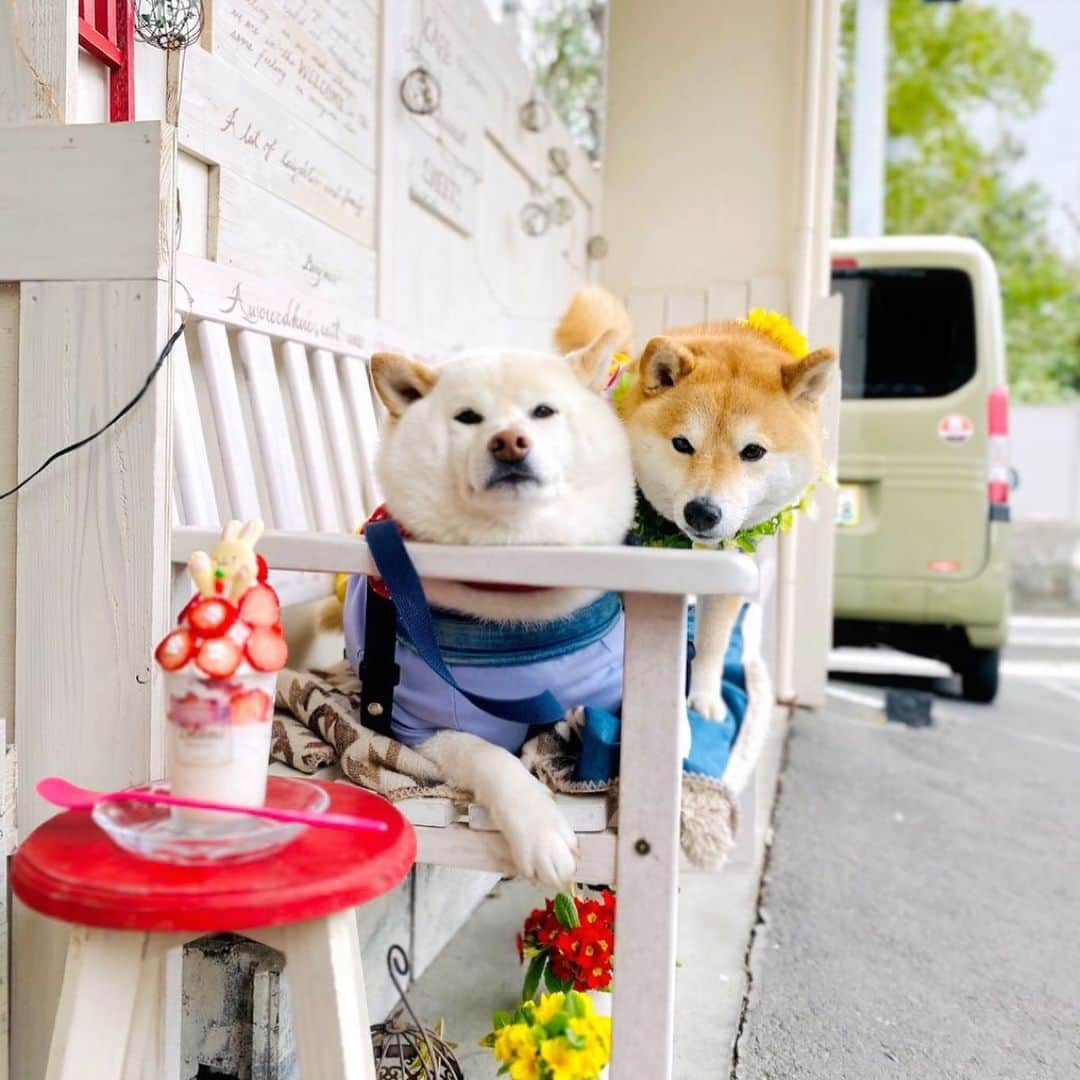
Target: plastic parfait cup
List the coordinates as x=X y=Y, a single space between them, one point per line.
x=221 y=665
x=218 y=741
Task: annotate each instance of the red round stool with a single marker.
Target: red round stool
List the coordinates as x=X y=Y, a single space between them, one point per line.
x=127 y=913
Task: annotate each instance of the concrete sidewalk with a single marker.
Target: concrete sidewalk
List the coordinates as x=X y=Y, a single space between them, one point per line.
x=921 y=900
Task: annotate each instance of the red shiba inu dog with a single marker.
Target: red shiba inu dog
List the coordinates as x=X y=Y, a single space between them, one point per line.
x=724 y=434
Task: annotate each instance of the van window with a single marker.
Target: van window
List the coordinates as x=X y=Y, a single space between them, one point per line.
x=907 y=333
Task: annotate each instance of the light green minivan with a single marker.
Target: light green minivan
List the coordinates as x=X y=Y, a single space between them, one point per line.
x=923 y=501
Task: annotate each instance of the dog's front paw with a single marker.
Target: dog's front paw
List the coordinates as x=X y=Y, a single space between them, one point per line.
x=707 y=703
x=542 y=843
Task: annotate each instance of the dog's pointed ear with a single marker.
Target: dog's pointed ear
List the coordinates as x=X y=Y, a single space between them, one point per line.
x=663 y=364
x=806 y=380
x=593 y=363
x=400 y=381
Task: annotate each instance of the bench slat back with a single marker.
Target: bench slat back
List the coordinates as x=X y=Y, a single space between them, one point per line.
x=274 y=428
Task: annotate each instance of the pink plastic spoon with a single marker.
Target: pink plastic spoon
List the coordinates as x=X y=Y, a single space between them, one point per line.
x=60 y=792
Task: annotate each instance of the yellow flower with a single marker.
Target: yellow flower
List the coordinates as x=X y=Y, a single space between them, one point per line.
x=526 y=1067
x=777 y=327
x=563 y=1061
x=596 y=1030
x=550 y=1006
x=513 y=1042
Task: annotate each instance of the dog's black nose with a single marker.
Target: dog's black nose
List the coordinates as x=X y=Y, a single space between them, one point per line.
x=509 y=445
x=701 y=515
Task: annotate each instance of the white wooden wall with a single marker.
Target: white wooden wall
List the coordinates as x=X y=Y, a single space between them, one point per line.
x=308 y=210
x=455 y=184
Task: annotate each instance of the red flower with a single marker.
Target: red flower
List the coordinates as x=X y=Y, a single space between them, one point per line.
x=581 y=955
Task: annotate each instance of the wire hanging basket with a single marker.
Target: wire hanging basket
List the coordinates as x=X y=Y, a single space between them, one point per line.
x=168 y=24
x=409 y=1051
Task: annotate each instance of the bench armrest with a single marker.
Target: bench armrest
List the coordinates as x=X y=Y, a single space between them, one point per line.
x=622 y=569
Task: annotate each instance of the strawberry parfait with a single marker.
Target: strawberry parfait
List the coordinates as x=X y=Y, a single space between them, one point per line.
x=221 y=665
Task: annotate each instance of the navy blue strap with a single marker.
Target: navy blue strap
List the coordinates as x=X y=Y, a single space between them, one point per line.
x=397 y=571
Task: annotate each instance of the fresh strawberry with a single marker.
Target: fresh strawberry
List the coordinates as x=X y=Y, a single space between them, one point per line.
x=239 y=632
x=211 y=617
x=175 y=649
x=266 y=649
x=219 y=657
x=262 y=571
x=259 y=606
x=250 y=707
x=197 y=713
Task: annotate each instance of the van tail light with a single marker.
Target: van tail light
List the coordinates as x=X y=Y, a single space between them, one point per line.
x=998 y=430
x=842 y=263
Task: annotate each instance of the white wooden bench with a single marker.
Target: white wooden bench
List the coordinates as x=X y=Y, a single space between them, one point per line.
x=286 y=429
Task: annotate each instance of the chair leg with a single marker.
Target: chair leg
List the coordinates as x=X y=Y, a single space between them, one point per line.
x=322 y=963
x=647 y=864
x=97 y=1004
x=149 y=1054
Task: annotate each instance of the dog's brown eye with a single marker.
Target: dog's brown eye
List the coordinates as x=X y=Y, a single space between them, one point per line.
x=542 y=412
x=684 y=446
x=752 y=452
x=469 y=416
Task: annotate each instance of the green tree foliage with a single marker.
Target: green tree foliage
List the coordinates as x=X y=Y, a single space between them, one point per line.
x=567 y=54
x=948 y=63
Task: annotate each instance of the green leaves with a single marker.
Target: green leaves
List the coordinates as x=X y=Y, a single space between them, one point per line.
x=555 y=985
x=532 y=976
x=566 y=911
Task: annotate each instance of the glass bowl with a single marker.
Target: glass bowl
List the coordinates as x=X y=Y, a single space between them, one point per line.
x=161 y=834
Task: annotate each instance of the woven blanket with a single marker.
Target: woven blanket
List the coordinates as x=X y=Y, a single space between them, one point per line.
x=317 y=723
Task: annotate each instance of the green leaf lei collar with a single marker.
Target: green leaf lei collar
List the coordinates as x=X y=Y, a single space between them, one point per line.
x=652 y=529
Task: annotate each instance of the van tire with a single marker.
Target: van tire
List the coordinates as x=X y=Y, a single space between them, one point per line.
x=979 y=675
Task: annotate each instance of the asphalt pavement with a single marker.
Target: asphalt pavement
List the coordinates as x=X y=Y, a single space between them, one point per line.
x=920 y=908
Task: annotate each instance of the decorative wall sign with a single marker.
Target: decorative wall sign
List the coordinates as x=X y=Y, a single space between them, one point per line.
x=318 y=59
x=228 y=119
x=268 y=306
x=446 y=145
x=258 y=232
x=438 y=183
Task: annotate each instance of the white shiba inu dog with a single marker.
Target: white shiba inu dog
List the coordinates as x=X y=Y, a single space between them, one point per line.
x=503 y=447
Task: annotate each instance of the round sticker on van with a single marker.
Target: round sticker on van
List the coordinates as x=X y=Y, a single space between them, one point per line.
x=955 y=429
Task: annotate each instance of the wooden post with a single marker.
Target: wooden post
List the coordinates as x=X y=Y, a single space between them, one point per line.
x=93 y=570
x=650 y=778
x=39 y=43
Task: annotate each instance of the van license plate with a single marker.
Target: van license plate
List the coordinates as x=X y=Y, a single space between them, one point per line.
x=847 y=505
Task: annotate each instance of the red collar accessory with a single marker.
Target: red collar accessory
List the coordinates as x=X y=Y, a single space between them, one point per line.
x=381 y=513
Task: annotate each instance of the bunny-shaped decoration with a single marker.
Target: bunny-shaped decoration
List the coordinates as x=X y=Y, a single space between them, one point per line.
x=231 y=568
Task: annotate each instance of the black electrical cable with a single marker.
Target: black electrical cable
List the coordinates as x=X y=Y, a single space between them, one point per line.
x=162 y=357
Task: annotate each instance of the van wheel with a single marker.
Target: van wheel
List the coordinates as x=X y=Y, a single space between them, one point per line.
x=979 y=675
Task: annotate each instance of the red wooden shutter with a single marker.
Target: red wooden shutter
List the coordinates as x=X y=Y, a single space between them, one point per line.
x=107 y=31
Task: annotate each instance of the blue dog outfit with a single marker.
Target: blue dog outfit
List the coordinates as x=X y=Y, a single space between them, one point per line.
x=496 y=680
x=578 y=659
